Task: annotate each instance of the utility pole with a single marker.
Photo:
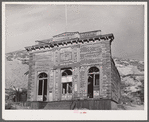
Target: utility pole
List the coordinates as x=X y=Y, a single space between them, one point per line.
x=66 y=17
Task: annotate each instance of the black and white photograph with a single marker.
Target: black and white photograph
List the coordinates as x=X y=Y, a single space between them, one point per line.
x=74 y=60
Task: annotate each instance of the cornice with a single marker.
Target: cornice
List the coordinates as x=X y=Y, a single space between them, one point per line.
x=72 y=41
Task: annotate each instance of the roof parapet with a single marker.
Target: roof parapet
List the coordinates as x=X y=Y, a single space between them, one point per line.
x=70 y=37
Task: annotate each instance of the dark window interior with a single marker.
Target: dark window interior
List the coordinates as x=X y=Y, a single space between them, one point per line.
x=90 y=86
x=42 y=75
x=42 y=90
x=93 y=69
x=70 y=87
x=96 y=79
x=40 y=87
x=64 y=88
x=45 y=87
x=67 y=72
x=93 y=80
x=67 y=87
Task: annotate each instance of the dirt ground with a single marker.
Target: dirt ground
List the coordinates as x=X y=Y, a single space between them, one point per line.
x=131 y=107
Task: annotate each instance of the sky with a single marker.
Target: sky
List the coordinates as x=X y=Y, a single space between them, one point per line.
x=26 y=23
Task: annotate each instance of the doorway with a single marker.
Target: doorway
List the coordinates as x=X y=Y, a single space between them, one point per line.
x=66 y=82
x=93 y=81
x=42 y=87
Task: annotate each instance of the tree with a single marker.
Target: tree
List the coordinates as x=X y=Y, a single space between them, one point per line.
x=15 y=93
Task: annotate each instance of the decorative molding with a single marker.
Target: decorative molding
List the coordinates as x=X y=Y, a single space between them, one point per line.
x=70 y=41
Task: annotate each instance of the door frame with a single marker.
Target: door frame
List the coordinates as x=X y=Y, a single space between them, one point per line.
x=61 y=84
x=45 y=78
x=94 y=73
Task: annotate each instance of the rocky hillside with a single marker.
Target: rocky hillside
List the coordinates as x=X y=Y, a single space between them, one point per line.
x=16 y=65
x=131 y=71
x=132 y=79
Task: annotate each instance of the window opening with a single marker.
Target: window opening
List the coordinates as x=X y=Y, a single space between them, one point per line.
x=42 y=85
x=93 y=80
x=42 y=75
x=45 y=87
x=96 y=79
x=66 y=81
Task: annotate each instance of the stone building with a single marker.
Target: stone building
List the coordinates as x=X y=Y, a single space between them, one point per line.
x=74 y=66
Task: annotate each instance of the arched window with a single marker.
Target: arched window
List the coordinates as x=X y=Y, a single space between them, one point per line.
x=66 y=81
x=94 y=72
x=93 y=69
x=42 y=75
x=66 y=72
x=42 y=86
x=93 y=80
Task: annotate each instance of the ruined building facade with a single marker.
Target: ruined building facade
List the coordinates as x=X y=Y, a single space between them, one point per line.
x=73 y=66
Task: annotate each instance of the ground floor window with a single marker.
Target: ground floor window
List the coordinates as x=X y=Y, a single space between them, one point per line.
x=96 y=79
x=93 y=81
x=66 y=80
x=42 y=86
x=66 y=87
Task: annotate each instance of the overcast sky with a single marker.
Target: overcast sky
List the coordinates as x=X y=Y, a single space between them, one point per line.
x=27 y=23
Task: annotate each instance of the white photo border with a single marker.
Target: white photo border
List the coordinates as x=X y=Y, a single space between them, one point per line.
x=73 y=114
